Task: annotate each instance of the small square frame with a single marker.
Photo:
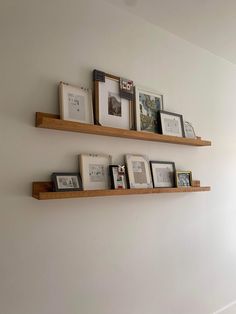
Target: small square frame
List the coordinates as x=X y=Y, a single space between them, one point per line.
x=164 y=175
x=183 y=178
x=66 y=181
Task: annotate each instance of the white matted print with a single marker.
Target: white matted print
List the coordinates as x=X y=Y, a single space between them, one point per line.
x=138 y=171
x=147 y=105
x=163 y=174
x=94 y=170
x=75 y=103
x=171 y=123
x=110 y=109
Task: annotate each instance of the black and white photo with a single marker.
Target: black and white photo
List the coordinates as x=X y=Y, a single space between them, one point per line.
x=183 y=178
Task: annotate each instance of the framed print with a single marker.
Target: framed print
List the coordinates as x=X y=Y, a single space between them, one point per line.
x=66 y=181
x=118 y=177
x=189 y=130
x=94 y=169
x=163 y=174
x=170 y=123
x=110 y=107
x=147 y=104
x=138 y=171
x=75 y=103
x=183 y=178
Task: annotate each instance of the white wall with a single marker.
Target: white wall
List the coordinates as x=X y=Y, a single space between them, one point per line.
x=152 y=254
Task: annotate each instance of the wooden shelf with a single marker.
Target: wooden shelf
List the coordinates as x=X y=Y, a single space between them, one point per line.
x=52 y=121
x=43 y=191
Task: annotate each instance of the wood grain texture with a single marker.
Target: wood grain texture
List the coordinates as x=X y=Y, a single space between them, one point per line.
x=43 y=191
x=52 y=121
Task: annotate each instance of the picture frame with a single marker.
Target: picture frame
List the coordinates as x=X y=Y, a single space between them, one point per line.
x=111 y=108
x=183 y=178
x=147 y=105
x=189 y=130
x=163 y=174
x=94 y=170
x=66 y=181
x=118 y=177
x=75 y=103
x=139 y=173
x=170 y=123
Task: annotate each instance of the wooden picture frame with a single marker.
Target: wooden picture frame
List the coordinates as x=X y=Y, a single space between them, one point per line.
x=66 y=181
x=163 y=174
x=110 y=108
x=183 y=178
x=170 y=123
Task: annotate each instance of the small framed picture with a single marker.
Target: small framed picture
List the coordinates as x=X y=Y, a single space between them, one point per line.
x=183 y=178
x=138 y=171
x=75 y=103
x=189 y=130
x=170 y=123
x=163 y=174
x=66 y=181
x=147 y=104
x=94 y=169
x=118 y=177
x=110 y=107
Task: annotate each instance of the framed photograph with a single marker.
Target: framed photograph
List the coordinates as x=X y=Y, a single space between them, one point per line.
x=66 y=181
x=163 y=174
x=189 y=130
x=183 y=178
x=147 y=104
x=138 y=171
x=110 y=107
x=94 y=169
x=75 y=103
x=118 y=177
x=170 y=123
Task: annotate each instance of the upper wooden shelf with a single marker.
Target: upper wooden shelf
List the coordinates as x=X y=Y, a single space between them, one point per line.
x=52 y=121
x=43 y=191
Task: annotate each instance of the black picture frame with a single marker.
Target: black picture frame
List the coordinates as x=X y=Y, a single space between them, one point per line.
x=57 y=187
x=186 y=182
x=172 y=183
x=161 y=127
x=125 y=184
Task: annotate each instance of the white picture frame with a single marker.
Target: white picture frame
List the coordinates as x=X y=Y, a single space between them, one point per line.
x=94 y=171
x=139 y=173
x=110 y=108
x=75 y=103
x=147 y=105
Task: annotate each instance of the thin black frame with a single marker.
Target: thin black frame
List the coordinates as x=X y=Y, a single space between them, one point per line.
x=163 y=162
x=159 y=121
x=190 y=178
x=55 y=184
x=112 y=177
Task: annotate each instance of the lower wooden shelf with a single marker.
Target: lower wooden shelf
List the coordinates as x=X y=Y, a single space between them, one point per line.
x=43 y=191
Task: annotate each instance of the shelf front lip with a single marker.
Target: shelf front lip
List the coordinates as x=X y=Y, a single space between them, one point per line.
x=51 y=121
x=41 y=192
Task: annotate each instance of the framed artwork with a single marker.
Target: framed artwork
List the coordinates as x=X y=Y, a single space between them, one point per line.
x=66 y=181
x=170 y=123
x=183 y=178
x=138 y=171
x=113 y=104
x=147 y=105
x=118 y=177
x=189 y=130
x=163 y=174
x=94 y=169
x=75 y=103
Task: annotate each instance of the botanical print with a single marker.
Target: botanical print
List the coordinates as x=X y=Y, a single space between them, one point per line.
x=139 y=172
x=172 y=125
x=67 y=182
x=114 y=104
x=149 y=106
x=97 y=172
x=76 y=106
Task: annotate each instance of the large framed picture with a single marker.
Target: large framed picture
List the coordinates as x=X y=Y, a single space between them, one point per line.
x=183 y=178
x=66 y=181
x=147 y=104
x=163 y=174
x=94 y=169
x=138 y=171
x=170 y=123
x=75 y=103
x=110 y=107
x=118 y=177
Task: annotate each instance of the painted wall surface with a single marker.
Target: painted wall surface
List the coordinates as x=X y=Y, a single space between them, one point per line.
x=152 y=254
